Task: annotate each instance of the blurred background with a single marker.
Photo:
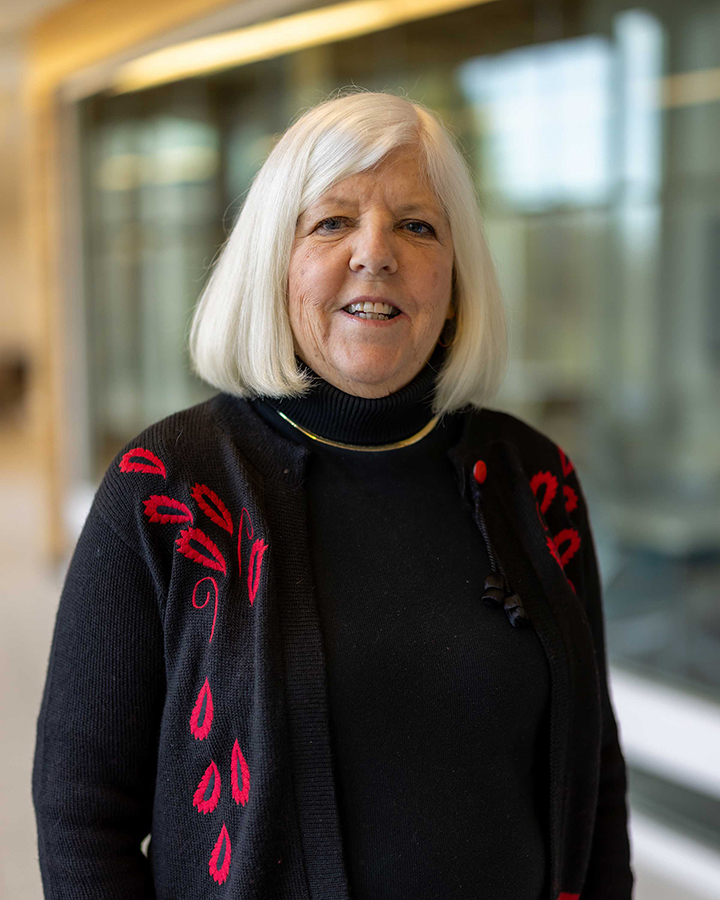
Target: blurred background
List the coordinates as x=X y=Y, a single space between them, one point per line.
x=129 y=133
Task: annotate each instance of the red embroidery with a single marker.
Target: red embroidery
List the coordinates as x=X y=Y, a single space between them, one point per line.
x=215 y=561
x=566 y=896
x=551 y=486
x=553 y=550
x=480 y=471
x=204 y=697
x=541 y=517
x=208 y=805
x=220 y=516
x=153 y=466
x=203 y=605
x=570 y=535
x=567 y=466
x=254 y=566
x=240 y=535
x=220 y=857
x=571 y=498
x=153 y=504
x=239 y=796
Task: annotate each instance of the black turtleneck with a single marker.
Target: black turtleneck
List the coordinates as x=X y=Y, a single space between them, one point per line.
x=438 y=706
x=330 y=412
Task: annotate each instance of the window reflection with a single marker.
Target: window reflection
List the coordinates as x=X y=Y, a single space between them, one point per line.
x=544 y=115
x=595 y=160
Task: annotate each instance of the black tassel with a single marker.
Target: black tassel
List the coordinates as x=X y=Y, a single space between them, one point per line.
x=494 y=594
x=497 y=591
x=515 y=611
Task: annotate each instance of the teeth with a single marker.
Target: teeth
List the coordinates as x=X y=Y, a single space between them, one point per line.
x=368 y=307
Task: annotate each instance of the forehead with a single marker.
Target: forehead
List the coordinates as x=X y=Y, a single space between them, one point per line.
x=397 y=180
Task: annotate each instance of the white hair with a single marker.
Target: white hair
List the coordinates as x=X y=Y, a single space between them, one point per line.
x=241 y=340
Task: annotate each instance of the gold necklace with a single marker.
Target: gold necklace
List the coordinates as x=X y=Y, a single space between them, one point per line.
x=426 y=429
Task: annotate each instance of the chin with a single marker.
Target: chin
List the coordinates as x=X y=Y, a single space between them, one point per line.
x=367 y=375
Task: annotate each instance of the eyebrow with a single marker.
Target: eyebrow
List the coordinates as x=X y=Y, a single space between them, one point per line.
x=401 y=210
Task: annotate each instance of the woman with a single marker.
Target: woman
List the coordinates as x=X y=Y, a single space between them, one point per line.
x=271 y=650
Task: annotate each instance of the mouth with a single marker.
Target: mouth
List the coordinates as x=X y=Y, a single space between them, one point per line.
x=378 y=310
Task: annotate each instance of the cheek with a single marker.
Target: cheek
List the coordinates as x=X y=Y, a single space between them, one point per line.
x=312 y=289
x=297 y=279
x=434 y=280
x=315 y=275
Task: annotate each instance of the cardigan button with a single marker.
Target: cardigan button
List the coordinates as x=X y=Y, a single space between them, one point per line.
x=480 y=471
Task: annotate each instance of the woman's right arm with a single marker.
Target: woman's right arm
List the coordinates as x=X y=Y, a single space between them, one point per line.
x=97 y=732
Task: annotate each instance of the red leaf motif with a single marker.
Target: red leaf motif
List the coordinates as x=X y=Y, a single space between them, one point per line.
x=553 y=550
x=551 y=485
x=214 y=561
x=249 y=531
x=222 y=852
x=254 y=567
x=239 y=796
x=541 y=517
x=153 y=465
x=571 y=498
x=156 y=501
x=573 y=538
x=203 y=805
x=220 y=516
x=207 y=598
x=567 y=466
x=201 y=731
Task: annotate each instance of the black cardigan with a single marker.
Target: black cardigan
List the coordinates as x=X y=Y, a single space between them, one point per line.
x=186 y=687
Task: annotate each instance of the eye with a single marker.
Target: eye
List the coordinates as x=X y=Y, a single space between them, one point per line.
x=332 y=223
x=429 y=230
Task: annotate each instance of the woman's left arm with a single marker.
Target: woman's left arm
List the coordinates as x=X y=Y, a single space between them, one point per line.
x=609 y=875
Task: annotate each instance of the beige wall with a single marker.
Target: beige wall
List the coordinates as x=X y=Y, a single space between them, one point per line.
x=65 y=41
x=14 y=324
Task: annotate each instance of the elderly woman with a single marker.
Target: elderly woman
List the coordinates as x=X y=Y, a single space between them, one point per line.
x=337 y=632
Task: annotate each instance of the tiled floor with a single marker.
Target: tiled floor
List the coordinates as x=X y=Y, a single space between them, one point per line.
x=29 y=596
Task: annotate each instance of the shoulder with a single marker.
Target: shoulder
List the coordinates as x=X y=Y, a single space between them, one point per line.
x=153 y=476
x=553 y=480
x=535 y=450
x=560 y=502
x=167 y=448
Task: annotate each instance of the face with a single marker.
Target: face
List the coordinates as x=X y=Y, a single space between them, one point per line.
x=378 y=236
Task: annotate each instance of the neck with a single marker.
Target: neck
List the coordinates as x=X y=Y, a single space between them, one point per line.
x=330 y=412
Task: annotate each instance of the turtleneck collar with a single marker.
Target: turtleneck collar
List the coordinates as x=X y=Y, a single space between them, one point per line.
x=338 y=416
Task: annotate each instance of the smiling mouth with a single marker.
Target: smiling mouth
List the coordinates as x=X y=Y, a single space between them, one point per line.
x=366 y=310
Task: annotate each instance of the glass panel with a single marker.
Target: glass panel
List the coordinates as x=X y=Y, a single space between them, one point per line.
x=600 y=183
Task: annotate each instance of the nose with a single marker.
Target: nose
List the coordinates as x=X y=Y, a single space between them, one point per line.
x=372 y=252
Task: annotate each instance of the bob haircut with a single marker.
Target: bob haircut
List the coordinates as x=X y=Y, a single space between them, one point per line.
x=241 y=340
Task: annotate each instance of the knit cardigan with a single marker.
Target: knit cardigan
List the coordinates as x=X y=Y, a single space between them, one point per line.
x=186 y=693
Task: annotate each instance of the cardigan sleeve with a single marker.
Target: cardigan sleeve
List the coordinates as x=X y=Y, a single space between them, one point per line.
x=609 y=875
x=97 y=730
